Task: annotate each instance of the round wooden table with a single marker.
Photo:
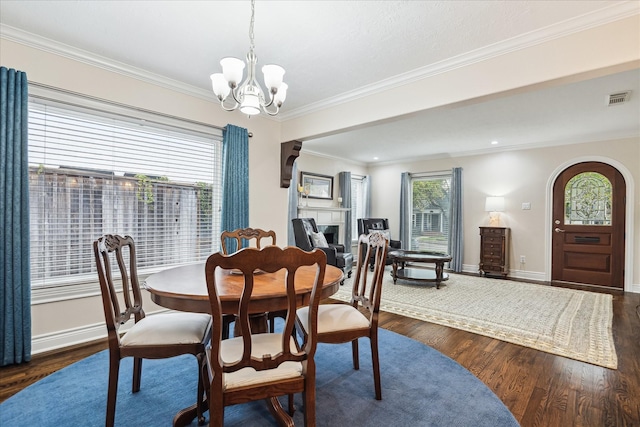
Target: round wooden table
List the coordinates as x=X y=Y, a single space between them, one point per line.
x=184 y=288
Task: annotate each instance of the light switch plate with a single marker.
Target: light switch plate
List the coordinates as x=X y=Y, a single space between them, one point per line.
x=526 y=205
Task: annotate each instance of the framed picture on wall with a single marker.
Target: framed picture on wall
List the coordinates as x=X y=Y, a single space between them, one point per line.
x=316 y=186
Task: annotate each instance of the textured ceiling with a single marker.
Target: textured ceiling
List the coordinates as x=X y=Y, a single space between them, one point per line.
x=329 y=49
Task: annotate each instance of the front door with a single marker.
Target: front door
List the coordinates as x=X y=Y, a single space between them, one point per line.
x=588 y=225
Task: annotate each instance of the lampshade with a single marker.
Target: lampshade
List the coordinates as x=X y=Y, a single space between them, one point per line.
x=494 y=204
x=273 y=76
x=220 y=86
x=232 y=69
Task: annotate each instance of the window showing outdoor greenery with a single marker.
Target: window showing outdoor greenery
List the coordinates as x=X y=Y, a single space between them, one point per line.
x=588 y=199
x=93 y=173
x=430 y=207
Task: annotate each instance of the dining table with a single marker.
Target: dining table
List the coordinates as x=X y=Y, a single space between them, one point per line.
x=184 y=288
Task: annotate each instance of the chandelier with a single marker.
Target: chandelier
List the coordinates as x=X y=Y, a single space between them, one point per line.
x=249 y=96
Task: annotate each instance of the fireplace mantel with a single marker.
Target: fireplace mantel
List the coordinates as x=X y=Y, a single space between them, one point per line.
x=326 y=215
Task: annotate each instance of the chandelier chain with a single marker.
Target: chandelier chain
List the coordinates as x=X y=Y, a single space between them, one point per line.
x=252 y=44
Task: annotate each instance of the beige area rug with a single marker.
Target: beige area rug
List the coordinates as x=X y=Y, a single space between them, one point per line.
x=571 y=323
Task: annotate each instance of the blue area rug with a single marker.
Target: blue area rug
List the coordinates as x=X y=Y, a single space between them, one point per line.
x=420 y=387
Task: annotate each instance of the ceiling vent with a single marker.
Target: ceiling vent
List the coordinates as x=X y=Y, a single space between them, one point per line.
x=618 y=98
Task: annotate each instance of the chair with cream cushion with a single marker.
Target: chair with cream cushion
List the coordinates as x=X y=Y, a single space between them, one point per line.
x=155 y=337
x=342 y=323
x=262 y=366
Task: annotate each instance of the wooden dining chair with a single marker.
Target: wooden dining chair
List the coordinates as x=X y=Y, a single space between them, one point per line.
x=253 y=237
x=262 y=366
x=157 y=336
x=342 y=323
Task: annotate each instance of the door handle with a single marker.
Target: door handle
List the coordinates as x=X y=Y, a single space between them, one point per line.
x=558 y=230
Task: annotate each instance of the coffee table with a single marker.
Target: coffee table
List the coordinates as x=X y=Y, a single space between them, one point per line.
x=401 y=256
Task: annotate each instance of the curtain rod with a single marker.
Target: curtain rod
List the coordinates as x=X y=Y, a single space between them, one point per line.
x=113 y=103
x=431 y=173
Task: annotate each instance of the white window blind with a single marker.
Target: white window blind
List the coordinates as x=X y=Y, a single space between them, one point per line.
x=93 y=172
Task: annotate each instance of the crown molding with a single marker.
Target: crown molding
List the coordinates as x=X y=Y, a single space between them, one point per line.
x=594 y=19
x=51 y=46
x=617 y=11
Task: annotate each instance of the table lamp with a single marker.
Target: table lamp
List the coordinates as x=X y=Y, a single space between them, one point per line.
x=494 y=205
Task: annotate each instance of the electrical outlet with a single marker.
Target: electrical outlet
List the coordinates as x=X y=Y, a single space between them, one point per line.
x=522 y=259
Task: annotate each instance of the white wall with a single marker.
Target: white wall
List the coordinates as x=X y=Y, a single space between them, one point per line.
x=520 y=176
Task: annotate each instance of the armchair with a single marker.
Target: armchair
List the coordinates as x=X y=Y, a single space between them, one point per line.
x=305 y=232
x=367 y=225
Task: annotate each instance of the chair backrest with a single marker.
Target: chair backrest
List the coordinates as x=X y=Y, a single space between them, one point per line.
x=367 y=225
x=117 y=255
x=253 y=236
x=267 y=260
x=367 y=286
x=302 y=231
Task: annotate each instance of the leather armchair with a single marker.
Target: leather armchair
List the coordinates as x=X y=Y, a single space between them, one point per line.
x=367 y=225
x=303 y=229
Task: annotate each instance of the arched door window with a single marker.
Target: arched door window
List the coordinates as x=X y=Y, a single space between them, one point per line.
x=587 y=200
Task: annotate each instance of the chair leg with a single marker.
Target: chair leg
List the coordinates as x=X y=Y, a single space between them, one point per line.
x=200 y=397
x=309 y=399
x=292 y=408
x=112 y=390
x=272 y=322
x=356 y=357
x=137 y=374
x=375 y=361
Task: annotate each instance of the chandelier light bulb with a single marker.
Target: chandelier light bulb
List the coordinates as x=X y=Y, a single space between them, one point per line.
x=232 y=69
x=281 y=95
x=272 y=76
x=220 y=86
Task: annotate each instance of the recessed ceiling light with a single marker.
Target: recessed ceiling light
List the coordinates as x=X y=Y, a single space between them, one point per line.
x=494 y=142
x=375 y=158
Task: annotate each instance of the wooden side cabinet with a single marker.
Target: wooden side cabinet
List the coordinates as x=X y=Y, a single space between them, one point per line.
x=494 y=251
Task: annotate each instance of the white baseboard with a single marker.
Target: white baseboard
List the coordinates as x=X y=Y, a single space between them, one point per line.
x=535 y=276
x=60 y=339
x=83 y=334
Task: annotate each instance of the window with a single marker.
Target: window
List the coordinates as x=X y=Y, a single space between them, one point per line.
x=94 y=172
x=430 y=208
x=357 y=204
x=588 y=199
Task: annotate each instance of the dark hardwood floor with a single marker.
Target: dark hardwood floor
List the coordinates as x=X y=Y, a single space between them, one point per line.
x=539 y=388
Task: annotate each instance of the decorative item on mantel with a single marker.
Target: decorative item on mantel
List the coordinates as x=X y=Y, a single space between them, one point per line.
x=303 y=192
x=494 y=205
x=249 y=96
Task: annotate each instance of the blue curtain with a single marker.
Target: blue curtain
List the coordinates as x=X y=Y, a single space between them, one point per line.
x=293 y=204
x=235 y=181
x=345 y=193
x=405 y=210
x=455 y=225
x=15 y=280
